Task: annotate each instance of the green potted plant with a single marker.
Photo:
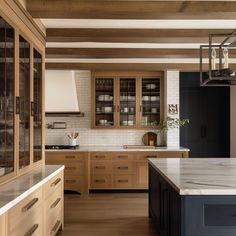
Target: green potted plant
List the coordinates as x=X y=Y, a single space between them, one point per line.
x=168 y=123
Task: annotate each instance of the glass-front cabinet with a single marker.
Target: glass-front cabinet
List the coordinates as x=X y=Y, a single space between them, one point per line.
x=36 y=107
x=151 y=101
x=127 y=100
x=21 y=100
x=7 y=80
x=104 y=108
x=23 y=106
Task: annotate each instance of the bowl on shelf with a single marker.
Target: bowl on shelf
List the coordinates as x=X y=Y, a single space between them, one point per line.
x=151 y=86
x=102 y=122
x=127 y=122
x=107 y=109
x=146 y=98
x=155 y=98
x=105 y=97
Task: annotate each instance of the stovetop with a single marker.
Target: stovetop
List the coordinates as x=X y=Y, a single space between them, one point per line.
x=60 y=147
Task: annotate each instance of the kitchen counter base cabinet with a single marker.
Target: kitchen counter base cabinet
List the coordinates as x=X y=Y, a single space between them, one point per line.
x=189 y=215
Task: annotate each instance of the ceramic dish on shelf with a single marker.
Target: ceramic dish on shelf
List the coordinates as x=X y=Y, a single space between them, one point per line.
x=105 y=97
x=127 y=122
x=155 y=98
x=151 y=86
x=107 y=109
x=102 y=122
x=146 y=98
x=131 y=98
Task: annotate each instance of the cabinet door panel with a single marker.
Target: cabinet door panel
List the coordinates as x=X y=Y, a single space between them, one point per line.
x=24 y=103
x=37 y=106
x=7 y=80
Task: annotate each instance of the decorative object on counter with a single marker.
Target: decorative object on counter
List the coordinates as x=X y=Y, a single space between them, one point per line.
x=150 y=139
x=73 y=138
x=173 y=109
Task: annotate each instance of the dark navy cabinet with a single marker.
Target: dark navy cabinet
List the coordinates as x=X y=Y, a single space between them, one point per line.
x=189 y=215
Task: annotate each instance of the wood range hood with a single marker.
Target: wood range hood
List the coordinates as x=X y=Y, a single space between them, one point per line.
x=61 y=98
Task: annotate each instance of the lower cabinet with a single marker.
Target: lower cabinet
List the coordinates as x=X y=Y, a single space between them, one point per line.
x=40 y=213
x=76 y=169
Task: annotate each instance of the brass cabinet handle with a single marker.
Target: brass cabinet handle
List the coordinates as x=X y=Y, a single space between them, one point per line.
x=100 y=167
x=70 y=181
x=100 y=180
x=123 y=180
x=123 y=167
x=70 y=168
x=17 y=105
x=55 y=203
x=70 y=157
x=56 y=182
x=151 y=156
x=123 y=157
x=100 y=157
x=118 y=108
x=29 y=205
x=32 y=108
x=32 y=230
x=55 y=227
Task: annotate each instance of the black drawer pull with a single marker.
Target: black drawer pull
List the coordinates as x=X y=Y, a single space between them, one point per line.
x=32 y=230
x=100 y=157
x=55 y=203
x=100 y=180
x=70 y=168
x=123 y=180
x=123 y=167
x=55 y=227
x=30 y=205
x=100 y=167
x=151 y=156
x=124 y=157
x=56 y=182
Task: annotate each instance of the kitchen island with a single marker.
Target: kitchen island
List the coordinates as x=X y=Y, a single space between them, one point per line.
x=193 y=197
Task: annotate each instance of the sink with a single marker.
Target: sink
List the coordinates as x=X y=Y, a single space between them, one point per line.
x=138 y=147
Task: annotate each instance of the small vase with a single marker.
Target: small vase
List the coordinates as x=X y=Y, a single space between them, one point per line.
x=72 y=142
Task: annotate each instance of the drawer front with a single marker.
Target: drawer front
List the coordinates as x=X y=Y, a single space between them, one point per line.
x=76 y=168
x=101 y=167
x=124 y=167
x=53 y=184
x=172 y=154
x=54 y=223
x=101 y=181
x=30 y=225
x=23 y=209
x=100 y=156
x=75 y=183
x=124 y=181
x=70 y=156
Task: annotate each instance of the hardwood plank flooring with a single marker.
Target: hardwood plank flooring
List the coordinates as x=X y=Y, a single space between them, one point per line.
x=107 y=215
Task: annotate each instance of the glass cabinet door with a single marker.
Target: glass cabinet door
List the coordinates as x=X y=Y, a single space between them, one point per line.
x=24 y=103
x=150 y=101
x=105 y=102
x=37 y=106
x=7 y=80
x=127 y=95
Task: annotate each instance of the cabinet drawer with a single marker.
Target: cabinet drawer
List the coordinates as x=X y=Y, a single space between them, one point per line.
x=70 y=156
x=77 y=168
x=24 y=208
x=75 y=183
x=100 y=156
x=54 y=223
x=30 y=225
x=101 y=181
x=124 y=181
x=101 y=167
x=53 y=184
x=124 y=167
x=167 y=154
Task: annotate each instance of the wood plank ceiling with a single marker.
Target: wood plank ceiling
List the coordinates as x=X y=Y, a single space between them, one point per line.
x=131 y=34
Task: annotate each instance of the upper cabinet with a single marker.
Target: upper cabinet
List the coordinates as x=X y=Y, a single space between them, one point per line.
x=126 y=100
x=7 y=84
x=22 y=53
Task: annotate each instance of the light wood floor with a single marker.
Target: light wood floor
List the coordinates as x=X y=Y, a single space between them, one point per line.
x=107 y=215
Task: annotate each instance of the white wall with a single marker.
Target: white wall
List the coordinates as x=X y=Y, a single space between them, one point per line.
x=93 y=137
x=172 y=97
x=233 y=121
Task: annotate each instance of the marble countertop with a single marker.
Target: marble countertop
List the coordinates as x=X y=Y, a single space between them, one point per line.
x=198 y=176
x=118 y=149
x=16 y=190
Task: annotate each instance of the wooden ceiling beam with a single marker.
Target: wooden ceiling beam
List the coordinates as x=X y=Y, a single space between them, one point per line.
x=104 y=9
x=126 y=53
x=133 y=35
x=126 y=66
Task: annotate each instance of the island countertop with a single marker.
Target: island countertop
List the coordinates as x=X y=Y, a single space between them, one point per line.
x=198 y=176
x=16 y=190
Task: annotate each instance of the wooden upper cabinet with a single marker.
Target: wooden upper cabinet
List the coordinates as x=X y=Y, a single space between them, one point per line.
x=126 y=100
